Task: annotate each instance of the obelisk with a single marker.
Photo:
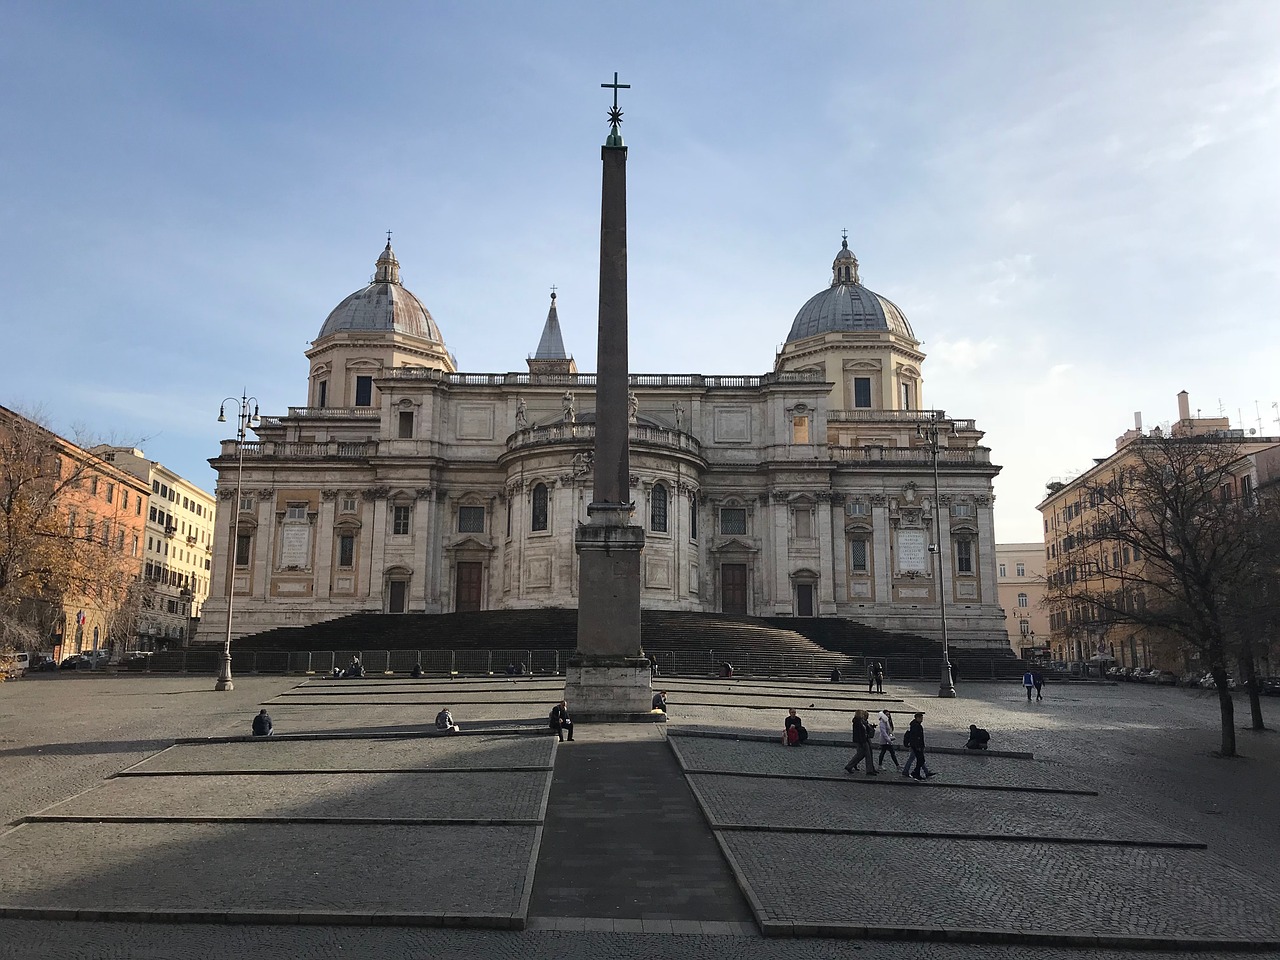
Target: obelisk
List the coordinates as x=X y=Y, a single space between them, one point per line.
x=608 y=676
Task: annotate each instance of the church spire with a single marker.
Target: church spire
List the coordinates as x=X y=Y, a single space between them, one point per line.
x=387 y=267
x=844 y=269
x=551 y=344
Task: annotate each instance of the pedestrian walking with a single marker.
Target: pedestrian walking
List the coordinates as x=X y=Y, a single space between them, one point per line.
x=915 y=740
x=862 y=743
x=1037 y=679
x=884 y=737
x=1028 y=681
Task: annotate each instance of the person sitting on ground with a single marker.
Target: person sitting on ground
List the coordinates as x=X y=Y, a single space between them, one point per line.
x=793 y=729
x=522 y=669
x=417 y=672
x=444 y=722
x=660 y=701
x=337 y=672
x=978 y=738
x=262 y=724
x=355 y=668
x=835 y=674
x=560 y=721
x=511 y=669
x=726 y=670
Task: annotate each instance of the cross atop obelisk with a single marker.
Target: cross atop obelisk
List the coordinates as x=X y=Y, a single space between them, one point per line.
x=615 y=115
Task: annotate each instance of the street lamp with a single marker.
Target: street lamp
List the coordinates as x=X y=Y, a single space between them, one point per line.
x=246 y=419
x=929 y=432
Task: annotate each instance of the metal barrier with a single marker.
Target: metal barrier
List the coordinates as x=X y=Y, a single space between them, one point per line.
x=479 y=663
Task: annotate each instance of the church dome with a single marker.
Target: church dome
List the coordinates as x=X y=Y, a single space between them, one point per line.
x=847 y=306
x=383 y=306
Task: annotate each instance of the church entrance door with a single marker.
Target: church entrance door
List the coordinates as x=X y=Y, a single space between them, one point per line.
x=396 y=596
x=804 y=599
x=468 y=593
x=733 y=588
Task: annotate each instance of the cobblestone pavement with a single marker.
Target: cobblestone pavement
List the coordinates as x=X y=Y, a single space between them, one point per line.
x=36 y=940
x=279 y=866
x=1147 y=750
x=453 y=796
x=748 y=756
x=387 y=754
x=847 y=806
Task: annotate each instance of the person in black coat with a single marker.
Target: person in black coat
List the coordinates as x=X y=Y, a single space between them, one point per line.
x=262 y=724
x=793 y=721
x=915 y=740
x=560 y=721
x=862 y=744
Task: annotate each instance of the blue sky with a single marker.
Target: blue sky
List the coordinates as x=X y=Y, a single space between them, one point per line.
x=1075 y=203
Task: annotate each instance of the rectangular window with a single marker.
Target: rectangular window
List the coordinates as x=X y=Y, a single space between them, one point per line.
x=93 y=486
x=295 y=511
x=1002 y=571
x=1246 y=491
x=346 y=550
x=1125 y=555
x=364 y=391
x=906 y=397
x=857 y=508
x=348 y=504
x=964 y=556
x=804 y=524
x=134 y=551
x=243 y=542
x=693 y=517
x=471 y=519
x=733 y=521
x=404 y=428
x=1021 y=569
x=962 y=510
x=88 y=529
x=799 y=429
x=137 y=508
x=858 y=556
x=155 y=486
x=246 y=503
x=322 y=393
x=111 y=493
x=862 y=392
x=400 y=520
x=120 y=541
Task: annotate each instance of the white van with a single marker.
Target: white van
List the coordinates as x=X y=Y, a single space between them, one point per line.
x=14 y=664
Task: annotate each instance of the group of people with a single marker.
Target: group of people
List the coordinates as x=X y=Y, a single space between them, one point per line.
x=354 y=670
x=1034 y=679
x=875 y=676
x=866 y=739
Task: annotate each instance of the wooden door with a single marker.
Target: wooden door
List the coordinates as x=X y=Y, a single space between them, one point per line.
x=733 y=588
x=469 y=593
x=396 y=600
x=804 y=599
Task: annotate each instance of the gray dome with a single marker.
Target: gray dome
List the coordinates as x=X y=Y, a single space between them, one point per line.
x=383 y=306
x=847 y=305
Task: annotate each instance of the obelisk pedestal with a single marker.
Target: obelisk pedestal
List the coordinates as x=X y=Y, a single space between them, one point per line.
x=608 y=676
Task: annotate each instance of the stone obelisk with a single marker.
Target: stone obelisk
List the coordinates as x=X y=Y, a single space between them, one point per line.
x=608 y=676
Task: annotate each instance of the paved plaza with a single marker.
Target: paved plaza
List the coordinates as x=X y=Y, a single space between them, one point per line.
x=135 y=821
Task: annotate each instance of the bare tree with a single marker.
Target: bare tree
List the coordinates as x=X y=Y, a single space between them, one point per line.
x=1172 y=551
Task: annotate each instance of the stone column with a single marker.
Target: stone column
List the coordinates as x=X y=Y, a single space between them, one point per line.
x=607 y=676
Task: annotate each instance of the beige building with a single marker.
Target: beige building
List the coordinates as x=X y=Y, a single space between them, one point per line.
x=178 y=551
x=404 y=485
x=1074 y=550
x=1020 y=580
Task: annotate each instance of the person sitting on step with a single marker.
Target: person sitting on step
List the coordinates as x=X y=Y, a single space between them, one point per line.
x=793 y=729
x=444 y=722
x=560 y=721
x=978 y=738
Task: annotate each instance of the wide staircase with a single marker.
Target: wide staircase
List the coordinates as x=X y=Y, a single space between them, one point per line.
x=681 y=642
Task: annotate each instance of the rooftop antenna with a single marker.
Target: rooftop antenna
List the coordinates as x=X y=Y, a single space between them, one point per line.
x=1276 y=407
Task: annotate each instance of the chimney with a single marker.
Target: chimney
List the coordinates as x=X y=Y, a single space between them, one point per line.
x=1184 y=405
x=1137 y=420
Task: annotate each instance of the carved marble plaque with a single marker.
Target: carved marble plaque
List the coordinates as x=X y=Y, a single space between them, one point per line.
x=733 y=425
x=475 y=421
x=295 y=545
x=538 y=572
x=912 y=552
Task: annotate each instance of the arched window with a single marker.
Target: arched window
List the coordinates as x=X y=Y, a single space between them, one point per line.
x=658 y=509
x=540 y=507
x=1022 y=599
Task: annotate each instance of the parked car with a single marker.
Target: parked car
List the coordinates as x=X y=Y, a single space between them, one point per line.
x=74 y=662
x=1188 y=679
x=137 y=660
x=1271 y=686
x=1167 y=678
x=1148 y=675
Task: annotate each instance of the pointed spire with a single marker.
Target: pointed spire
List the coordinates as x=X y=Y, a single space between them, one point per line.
x=387 y=267
x=844 y=269
x=551 y=344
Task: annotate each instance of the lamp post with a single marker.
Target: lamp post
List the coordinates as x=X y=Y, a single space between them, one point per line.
x=246 y=418
x=929 y=432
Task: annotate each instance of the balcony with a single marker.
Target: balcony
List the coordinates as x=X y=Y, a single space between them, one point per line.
x=640 y=435
x=899 y=416
x=302 y=450
x=912 y=455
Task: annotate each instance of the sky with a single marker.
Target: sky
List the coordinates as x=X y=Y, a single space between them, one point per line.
x=1075 y=203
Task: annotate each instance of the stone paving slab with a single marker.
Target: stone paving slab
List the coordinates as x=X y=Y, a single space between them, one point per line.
x=313 y=869
x=745 y=756
x=415 y=753
x=965 y=885
x=454 y=796
x=845 y=806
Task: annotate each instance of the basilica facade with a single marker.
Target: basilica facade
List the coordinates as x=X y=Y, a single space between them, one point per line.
x=404 y=485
